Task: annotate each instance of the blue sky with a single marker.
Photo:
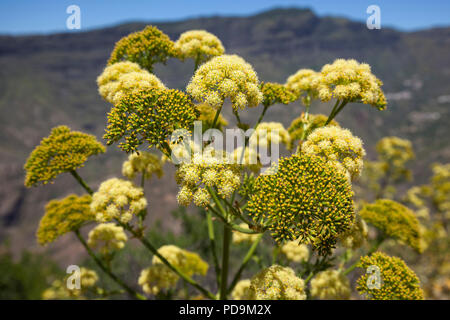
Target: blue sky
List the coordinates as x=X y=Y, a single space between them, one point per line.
x=45 y=16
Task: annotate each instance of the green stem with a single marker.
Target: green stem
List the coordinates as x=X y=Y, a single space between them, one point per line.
x=374 y=248
x=260 y=117
x=216 y=117
x=225 y=261
x=81 y=182
x=212 y=242
x=231 y=225
x=130 y=291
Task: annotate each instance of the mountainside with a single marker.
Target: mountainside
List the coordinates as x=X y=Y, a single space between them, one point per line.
x=50 y=80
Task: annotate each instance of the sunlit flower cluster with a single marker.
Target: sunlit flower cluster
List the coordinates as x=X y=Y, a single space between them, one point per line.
x=63 y=216
x=241 y=290
x=295 y=252
x=395 y=152
x=62 y=151
x=304 y=199
x=394 y=220
x=302 y=126
x=199 y=45
x=107 y=237
x=117 y=199
x=441 y=188
x=267 y=133
x=276 y=93
x=276 y=283
x=330 y=285
x=356 y=235
x=241 y=237
x=397 y=281
x=339 y=147
x=304 y=83
x=145 y=163
x=227 y=76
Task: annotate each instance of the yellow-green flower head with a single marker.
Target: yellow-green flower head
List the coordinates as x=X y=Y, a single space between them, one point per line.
x=241 y=290
x=309 y=124
x=305 y=200
x=199 y=45
x=156 y=278
x=441 y=188
x=295 y=252
x=267 y=133
x=240 y=237
x=88 y=278
x=394 y=220
x=149 y=115
x=122 y=77
x=277 y=283
x=356 y=236
x=145 y=163
x=107 y=237
x=276 y=93
x=145 y=47
x=227 y=76
x=62 y=151
x=304 y=83
x=339 y=147
x=396 y=152
x=63 y=216
x=397 y=280
x=330 y=285
x=351 y=81
x=117 y=199
x=207 y=115
x=59 y=290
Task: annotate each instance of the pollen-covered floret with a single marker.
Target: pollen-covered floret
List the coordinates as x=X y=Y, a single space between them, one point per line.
x=295 y=252
x=302 y=126
x=276 y=93
x=122 y=77
x=227 y=76
x=396 y=280
x=394 y=220
x=356 y=236
x=117 y=199
x=145 y=163
x=63 y=216
x=62 y=151
x=107 y=237
x=241 y=290
x=241 y=237
x=199 y=45
x=304 y=199
x=348 y=80
x=145 y=47
x=305 y=84
x=277 y=283
x=267 y=133
x=330 y=285
x=339 y=147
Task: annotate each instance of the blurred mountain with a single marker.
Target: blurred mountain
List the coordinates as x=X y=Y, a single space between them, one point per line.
x=50 y=80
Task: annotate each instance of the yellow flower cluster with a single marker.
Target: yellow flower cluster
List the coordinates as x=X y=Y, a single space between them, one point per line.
x=241 y=290
x=145 y=47
x=357 y=235
x=227 y=76
x=304 y=83
x=394 y=220
x=145 y=163
x=63 y=216
x=398 y=281
x=395 y=152
x=302 y=126
x=348 y=80
x=158 y=276
x=267 y=133
x=199 y=45
x=441 y=188
x=208 y=169
x=117 y=199
x=277 y=283
x=240 y=237
x=62 y=151
x=304 y=199
x=207 y=115
x=330 y=285
x=295 y=252
x=149 y=115
x=107 y=237
x=122 y=77
x=339 y=147
x=276 y=93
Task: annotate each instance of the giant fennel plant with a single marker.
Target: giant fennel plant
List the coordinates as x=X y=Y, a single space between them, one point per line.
x=302 y=205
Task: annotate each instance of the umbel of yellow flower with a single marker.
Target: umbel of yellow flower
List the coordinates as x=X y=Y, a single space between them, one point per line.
x=276 y=93
x=145 y=47
x=156 y=278
x=62 y=151
x=394 y=220
x=348 y=80
x=117 y=199
x=397 y=281
x=122 y=77
x=330 y=285
x=207 y=115
x=356 y=236
x=199 y=45
x=295 y=252
x=241 y=290
x=302 y=126
x=63 y=216
x=304 y=200
x=227 y=76
x=276 y=283
x=305 y=84
x=145 y=163
x=395 y=152
x=267 y=133
x=240 y=237
x=440 y=184
x=149 y=115
x=107 y=237
x=339 y=147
